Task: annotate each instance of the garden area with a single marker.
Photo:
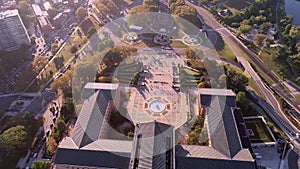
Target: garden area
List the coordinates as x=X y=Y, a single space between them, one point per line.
x=128 y=73
x=258 y=131
x=198 y=134
x=190 y=77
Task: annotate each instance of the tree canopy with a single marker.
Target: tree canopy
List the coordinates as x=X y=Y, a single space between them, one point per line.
x=51 y=146
x=14 y=138
x=81 y=13
x=114 y=56
x=193 y=54
x=188 y=13
x=142 y=9
x=41 y=164
x=39 y=63
x=241 y=98
x=244 y=28
x=236 y=81
x=259 y=38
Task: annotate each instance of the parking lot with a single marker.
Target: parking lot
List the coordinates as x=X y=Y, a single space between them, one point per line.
x=267 y=156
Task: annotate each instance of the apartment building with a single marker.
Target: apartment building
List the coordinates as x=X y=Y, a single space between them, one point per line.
x=13 y=33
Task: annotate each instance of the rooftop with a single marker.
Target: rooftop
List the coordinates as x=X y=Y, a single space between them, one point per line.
x=216 y=92
x=8 y=13
x=153 y=145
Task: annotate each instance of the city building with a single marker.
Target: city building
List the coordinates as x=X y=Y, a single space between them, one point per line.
x=13 y=33
x=42 y=17
x=154 y=143
x=59 y=19
x=45 y=24
x=7 y=4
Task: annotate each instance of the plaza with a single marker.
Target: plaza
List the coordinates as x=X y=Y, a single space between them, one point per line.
x=155 y=85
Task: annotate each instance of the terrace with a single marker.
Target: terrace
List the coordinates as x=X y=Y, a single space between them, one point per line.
x=258 y=130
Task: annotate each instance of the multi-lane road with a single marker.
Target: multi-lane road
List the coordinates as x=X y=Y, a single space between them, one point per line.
x=271 y=105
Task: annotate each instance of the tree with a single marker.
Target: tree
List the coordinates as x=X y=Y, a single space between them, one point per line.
x=295 y=32
x=54 y=48
x=63 y=83
x=139 y=9
x=177 y=3
x=296 y=59
x=104 y=79
x=101 y=7
x=59 y=62
x=298 y=80
x=236 y=81
x=114 y=56
x=29 y=117
x=52 y=12
x=91 y=31
x=30 y=18
x=151 y=2
x=51 y=146
x=67 y=110
x=39 y=63
x=259 y=38
x=188 y=13
x=73 y=49
x=202 y=85
x=81 y=13
x=56 y=136
x=61 y=126
x=111 y=5
x=244 y=29
x=23 y=7
x=190 y=54
x=241 y=98
x=41 y=164
x=14 y=138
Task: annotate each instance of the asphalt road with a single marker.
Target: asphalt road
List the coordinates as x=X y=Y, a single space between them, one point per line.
x=235 y=45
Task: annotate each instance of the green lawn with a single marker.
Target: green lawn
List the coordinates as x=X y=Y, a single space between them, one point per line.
x=259 y=71
x=237 y=5
x=253 y=85
x=276 y=65
x=177 y=44
x=260 y=131
x=298 y=98
x=223 y=49
x=227 y=53
x=190 y=72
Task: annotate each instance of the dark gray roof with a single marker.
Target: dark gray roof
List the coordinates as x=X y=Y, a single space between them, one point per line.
x=207 y=163
x=88 y=125
x=89 y=158
x=221 y=122
x=152 y=142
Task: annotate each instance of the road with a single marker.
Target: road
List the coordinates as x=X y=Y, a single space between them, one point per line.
x=236 y=46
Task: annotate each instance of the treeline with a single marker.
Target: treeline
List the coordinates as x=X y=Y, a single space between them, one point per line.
x=189 y=13
x=290 y=51
x=147 y=6
x=107 y=6
x=256 y=14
